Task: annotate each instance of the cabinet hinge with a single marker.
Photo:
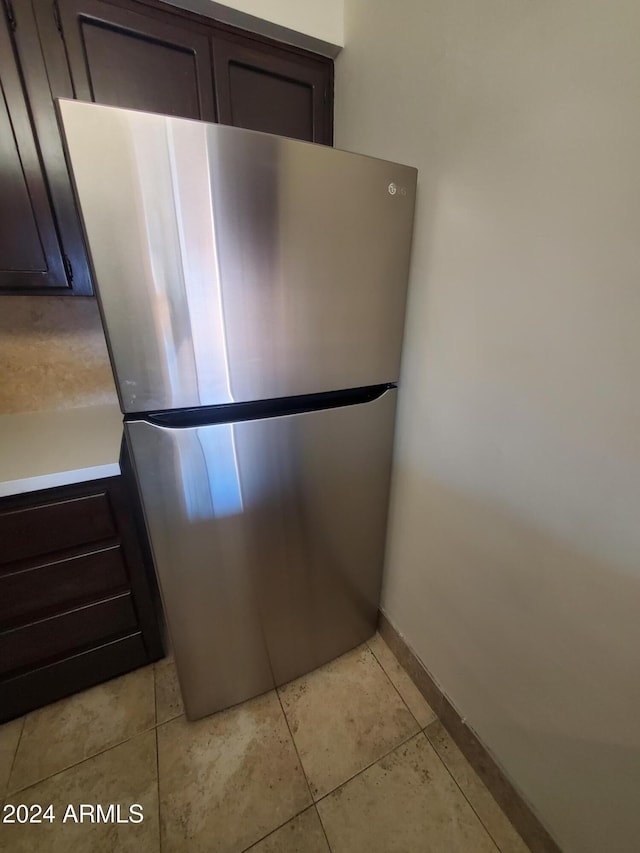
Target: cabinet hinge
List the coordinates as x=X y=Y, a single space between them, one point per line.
x=68 y=268
x=11 y=16
x=58 y=20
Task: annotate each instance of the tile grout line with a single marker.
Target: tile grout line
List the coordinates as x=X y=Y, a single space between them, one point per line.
x=324 y=831
x=281 y=825
x=315 y=802
x=177 y=717
x=510 y=800
x=155 y=732
x=304 y=772
x=381 y=665
x=158 y=789
x=275 y=829
x=460 y=788
x=350 y=778
x=7 y=793
x=153 y=727
x=375 y=761
x=297 y=814
x=155 y=697
x=295 y=746
x=423 y=730
x=81 y=761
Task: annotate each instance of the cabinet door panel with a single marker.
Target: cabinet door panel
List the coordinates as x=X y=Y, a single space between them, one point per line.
x=262 y=101
x=261 y=87
x=66 y=632
x=58 y=581
x=30 y=254
x=47 y=683
x=20 y=246
x=55 y=525
x=126 y=59
x=33 y=38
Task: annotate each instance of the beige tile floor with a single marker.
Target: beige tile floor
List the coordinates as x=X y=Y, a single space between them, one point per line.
x=349 y=759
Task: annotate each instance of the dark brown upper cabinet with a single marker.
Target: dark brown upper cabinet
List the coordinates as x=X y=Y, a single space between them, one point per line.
x=262 y=87
x=121 y=57
x=54 y=182
x=140 y=54
x=31 y=259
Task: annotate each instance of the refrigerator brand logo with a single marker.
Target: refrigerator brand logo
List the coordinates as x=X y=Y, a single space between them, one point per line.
x=394 y=189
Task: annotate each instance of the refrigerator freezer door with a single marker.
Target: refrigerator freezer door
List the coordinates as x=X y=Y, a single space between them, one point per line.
x=232 y=265
x=268 y=539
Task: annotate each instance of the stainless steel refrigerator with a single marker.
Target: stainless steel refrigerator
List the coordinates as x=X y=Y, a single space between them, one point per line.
x=252 y=290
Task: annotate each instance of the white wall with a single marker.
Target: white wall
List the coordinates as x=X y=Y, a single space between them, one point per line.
x=321 y=19
x=514 y=556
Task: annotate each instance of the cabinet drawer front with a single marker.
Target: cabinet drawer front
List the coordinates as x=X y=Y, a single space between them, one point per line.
x=53 y=526
x=63 y=634
x=55 y=583
x=36 y=688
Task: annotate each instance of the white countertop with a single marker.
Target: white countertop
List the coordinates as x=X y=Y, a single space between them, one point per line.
x=39 y=450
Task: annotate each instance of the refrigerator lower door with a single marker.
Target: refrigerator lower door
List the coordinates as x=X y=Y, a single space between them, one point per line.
x=268 y=539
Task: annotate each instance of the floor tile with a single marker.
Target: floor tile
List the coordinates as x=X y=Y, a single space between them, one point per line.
x=229 y=779
x=489 y=812
x=125 y=774
x=303 y=834
x=407 y=801
x=415 y=701
x=9 y=737
x=343 y=717
x=60 y=735
x=168 y=697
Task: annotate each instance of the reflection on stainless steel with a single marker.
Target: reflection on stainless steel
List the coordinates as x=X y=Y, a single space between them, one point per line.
x=211 y=485
x=232 y=265
x=268 y=539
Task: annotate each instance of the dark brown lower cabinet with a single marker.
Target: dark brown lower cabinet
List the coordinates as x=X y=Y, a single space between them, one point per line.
x=78 y=603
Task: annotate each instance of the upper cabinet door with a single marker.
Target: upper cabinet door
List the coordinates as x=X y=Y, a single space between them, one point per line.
x=126 y=59
x=140 y=54
x=30 y=256
x=262 y=87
